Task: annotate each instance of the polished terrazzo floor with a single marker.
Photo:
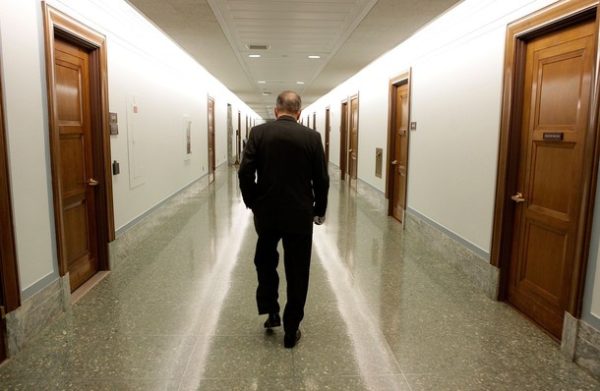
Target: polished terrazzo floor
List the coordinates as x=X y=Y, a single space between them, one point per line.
x=383 y=313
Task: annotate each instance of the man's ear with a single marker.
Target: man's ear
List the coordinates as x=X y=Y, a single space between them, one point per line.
x=275 y=112
x=298 y=115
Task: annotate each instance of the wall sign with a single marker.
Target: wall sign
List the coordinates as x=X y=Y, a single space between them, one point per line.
x=553 y=136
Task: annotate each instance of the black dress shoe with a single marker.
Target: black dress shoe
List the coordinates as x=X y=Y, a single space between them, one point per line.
x=273 y=321
x=290 y=340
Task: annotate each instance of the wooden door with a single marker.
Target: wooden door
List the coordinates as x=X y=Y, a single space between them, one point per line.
x=9 y=280
x=238 y=139
x=247 y=126
x=554 y=127
x=230 y=157
x=327 y=133
x=344 y=139
x=353 y=139
x=76 y=163
x=398 y=168
x=211 y=140
x=314 y=122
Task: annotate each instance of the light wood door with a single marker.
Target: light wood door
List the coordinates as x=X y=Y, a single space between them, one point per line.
x=76 y=164
x=327 y=133
x=399 y=159
x=211 y=140
x=556 y=101
x=344 y=139
x=353 y=140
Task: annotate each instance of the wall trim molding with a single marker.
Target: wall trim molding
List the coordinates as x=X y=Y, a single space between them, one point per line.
x=474 y=248
x=37 y=312
x=39 y=285
x=136 y=220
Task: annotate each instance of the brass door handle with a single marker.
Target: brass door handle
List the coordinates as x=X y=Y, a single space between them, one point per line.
x=518 y=198
x=92 y=182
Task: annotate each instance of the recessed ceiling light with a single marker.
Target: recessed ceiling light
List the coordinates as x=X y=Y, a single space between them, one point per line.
x=314 y=56
x=262 y=82
x=299 y=82
x=254 y=55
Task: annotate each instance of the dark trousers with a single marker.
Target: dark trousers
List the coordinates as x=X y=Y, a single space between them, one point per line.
x=297 y=250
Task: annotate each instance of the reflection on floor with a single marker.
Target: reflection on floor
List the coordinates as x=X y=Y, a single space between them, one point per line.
x=178 y=313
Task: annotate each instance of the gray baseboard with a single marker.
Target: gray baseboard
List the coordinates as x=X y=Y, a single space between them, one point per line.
x=36 y=313
x=587 y=348
x=454 y=250
x=130 y=238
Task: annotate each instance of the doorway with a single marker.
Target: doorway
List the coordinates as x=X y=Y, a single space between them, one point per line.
x=79 y=146
x=211 y=140
x=9 y=280
x=353 y=139
x=314 y=121
x=230 y=156
x=398 y=146
x=344 y=139
x=547 y=163
x=238 y=139
x=327 y=132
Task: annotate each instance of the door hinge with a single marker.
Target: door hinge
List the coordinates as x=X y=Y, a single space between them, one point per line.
x=2 y=312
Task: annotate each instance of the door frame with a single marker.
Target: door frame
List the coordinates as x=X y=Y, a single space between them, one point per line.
x=212 y=164
x=58 y=24
x=8 y=255
x=238 y=139
x=350 y=99
x=556 y=16
x=344 y=138
x=395 y=82
x=327 y=132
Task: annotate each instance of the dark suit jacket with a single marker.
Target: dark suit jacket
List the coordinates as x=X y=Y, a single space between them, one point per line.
x=291 y=182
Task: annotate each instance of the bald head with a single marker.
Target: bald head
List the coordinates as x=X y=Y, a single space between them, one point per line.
x=288 y=102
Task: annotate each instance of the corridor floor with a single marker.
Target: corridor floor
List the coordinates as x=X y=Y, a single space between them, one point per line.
x=383 y=313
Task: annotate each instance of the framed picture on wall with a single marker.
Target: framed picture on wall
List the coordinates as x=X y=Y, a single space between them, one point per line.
x=187 y=132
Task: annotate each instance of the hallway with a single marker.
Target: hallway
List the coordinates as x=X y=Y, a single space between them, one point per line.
x=383 y=313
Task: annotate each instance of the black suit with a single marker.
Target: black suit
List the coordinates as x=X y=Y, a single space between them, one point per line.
x=283 y=178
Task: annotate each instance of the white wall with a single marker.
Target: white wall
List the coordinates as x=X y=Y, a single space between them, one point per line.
x=28 y=149
x=457 y=69
x=456 y=64
x=144 y=67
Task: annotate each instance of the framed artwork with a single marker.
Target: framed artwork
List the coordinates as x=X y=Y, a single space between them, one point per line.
x=187 y=127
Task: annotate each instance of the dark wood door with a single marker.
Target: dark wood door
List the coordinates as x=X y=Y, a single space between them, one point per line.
x=344 y=139
x=230 y=153
x=314 y=122
x=556 y=101
x=76 y=163
x=353 y=140
x=399 y=159
x=238 y=139
x=327 y=133
x=211 y=140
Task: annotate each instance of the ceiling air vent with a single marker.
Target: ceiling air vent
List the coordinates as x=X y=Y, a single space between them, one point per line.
x=257 y=47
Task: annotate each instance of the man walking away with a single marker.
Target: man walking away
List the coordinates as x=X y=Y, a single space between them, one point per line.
x=283 y=179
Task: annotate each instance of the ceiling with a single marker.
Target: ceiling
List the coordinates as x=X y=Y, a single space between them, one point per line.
x=346 y=34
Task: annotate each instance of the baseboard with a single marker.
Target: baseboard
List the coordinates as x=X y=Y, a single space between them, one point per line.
x=454 y=250
x=587 y=348
x=36 y=313
x=129 y=239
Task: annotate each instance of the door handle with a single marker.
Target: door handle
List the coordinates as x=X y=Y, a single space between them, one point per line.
x=518 y=198
x=92 y=182
x=394 y=162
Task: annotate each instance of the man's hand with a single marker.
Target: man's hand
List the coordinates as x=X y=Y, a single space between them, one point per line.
x=318 y=220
